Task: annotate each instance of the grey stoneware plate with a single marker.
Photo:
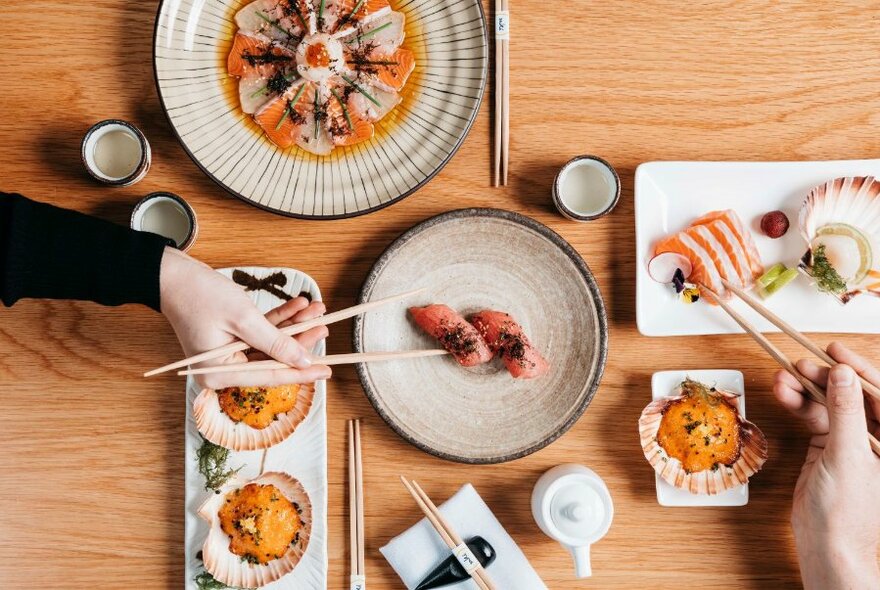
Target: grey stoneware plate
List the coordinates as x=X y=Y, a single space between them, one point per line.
x=474 y=259
x=191 y=43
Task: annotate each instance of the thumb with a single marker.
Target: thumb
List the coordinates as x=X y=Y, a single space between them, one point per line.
x=262 y=335
x=846 y=412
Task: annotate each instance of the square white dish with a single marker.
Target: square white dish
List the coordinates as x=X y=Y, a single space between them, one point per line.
x=303 y=455
x=664 y=384
x=669 y=195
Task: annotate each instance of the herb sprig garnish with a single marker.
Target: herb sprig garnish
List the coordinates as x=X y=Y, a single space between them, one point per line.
x=212 y=465
x=205 y=581
x=826 y=276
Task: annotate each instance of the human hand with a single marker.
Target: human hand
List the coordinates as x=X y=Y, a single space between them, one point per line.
x=836 y=508
x=208 y=310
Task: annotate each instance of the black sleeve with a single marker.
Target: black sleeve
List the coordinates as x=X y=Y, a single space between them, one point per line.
x=51 y=253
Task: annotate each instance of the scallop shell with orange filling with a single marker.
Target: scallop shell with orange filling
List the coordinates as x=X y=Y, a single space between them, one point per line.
x=698 y=441
x=250 y=418
x=259 y=531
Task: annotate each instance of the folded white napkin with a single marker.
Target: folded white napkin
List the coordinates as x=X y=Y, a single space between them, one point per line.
x=417 y=551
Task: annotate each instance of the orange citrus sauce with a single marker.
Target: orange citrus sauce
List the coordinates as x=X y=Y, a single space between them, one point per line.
x=257 y=406
x=701 y=432
x=260 y=522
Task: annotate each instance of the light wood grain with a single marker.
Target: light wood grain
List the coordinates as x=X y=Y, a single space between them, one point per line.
x=92 y=454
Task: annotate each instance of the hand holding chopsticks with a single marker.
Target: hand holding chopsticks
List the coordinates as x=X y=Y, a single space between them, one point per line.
x=813 y=391
x=449 y=536
x=291 y=330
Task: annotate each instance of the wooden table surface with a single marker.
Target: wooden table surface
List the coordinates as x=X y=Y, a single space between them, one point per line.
x=92 y=455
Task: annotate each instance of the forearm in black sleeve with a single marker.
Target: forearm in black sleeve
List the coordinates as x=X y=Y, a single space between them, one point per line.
x=51 y=253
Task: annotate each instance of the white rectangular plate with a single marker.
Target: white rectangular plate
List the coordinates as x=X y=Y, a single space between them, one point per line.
x=303 y=455
x=665 y=384
x=669 y=195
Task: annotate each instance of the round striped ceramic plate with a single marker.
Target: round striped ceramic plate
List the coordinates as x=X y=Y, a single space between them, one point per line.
x=412 y=143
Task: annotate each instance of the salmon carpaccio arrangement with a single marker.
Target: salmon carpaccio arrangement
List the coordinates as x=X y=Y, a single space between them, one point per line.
x=488 y=334
x=319 y=73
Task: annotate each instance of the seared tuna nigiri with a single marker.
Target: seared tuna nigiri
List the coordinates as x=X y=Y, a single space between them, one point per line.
x=506 y=338
x=454 y=333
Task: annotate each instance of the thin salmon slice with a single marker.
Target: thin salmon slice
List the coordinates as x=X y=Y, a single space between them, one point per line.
x=739 y=229
x=732 y=244
x=349 y=13
x=345 y=126
x=506 y=338
x=396 y=68
x=283 y=118
x=721 y=257
x=454 y=333
x=250 y=54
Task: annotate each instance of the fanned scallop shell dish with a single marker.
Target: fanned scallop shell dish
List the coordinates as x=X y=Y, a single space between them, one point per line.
x=251 y=418
x=698 y=441
x=840 y=223
x=259 y=530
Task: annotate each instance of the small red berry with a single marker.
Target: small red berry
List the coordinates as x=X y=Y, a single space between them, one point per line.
x=774 y=224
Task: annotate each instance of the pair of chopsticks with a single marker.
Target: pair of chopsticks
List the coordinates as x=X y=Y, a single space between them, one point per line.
x=813 y=391
x=356 y=505
x=452 y=539
x=502 y=92
x=292 y=330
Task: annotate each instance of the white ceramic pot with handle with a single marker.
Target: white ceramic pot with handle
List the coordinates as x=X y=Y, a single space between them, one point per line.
x=572 y=505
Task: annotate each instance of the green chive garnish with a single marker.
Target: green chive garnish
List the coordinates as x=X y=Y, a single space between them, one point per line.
x=355 y=9
x=290 y=104
x=275 y=24
x=316 y=115
x=344 y=110
x=361 y=90
x=373 y=63
x=283 y=116
x=369 y=34
x=265 y=89
x=321 y=10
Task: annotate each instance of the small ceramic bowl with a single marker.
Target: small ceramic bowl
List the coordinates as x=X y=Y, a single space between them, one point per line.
x=169 y=216
x=586 y=188
x=99 y=131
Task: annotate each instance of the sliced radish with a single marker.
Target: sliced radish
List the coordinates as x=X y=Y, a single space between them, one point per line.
x=663 y=266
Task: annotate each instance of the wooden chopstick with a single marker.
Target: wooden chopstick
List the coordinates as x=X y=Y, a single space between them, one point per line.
x=814 y=392
x=502 y=96
x=444 y=529
x=352 y=504
x=505 y=88
x=356 y=503
x=867 y=386
x=291 y=330
x=330 y=360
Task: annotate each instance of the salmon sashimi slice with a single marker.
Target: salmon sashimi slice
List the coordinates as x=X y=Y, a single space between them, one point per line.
x=703 y=270
x=344 y=14
x=345 y=126
x=734 y=248
x=368 y=100
x=254 y=54
x=281 y=20
x=313 y=136
x=391 y=70
x=721 y=258
x=506 y=338
x=739 y=229
x=255 y=90
x=283 y=118
x=454 y=333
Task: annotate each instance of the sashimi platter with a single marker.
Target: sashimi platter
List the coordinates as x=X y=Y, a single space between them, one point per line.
x=321 y=109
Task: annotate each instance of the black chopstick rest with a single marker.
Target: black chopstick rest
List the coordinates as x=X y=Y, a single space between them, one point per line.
x=451 y=571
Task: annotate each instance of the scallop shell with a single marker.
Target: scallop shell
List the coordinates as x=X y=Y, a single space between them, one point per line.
x=753 y=453
x=217 y=427
x=853 y=201
x=232 y=570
